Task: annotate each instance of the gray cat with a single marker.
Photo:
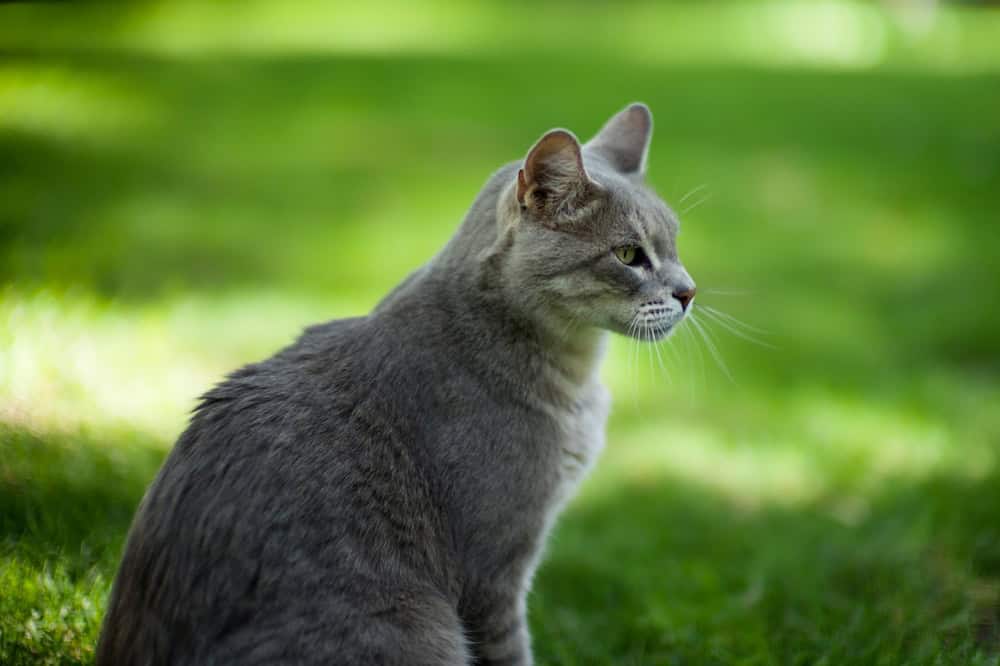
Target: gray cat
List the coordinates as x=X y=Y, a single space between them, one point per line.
x=380 y=491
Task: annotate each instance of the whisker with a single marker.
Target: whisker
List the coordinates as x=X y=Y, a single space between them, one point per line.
x=637 y=367
x=736 y=322
x=708 y=332
x=712 y=317
x=628 y=329
x=659 y=358
x=702 y=365
x=647 y=335
x=694 y=191
x=700 y=376
x=726 y=292
x=638 y=353
x=712 y=348
x=696 y=204
x=670 y=351
x=691 y=343
x=630 y=366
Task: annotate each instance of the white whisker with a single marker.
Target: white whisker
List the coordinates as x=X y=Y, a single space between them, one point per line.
x=648 y=337
x=734 y=321
x=694 y=191
x=726 y=292
x=659 y=358
x=692 y=343
x=637 y=332
x=630 y=366
x=696 y=204
x=712 y=317
x=712 y=348
x=690 y=351
x=670 y=350
x=672 y=361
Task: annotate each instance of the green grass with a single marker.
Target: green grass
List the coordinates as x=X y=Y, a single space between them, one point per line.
x=185 y=192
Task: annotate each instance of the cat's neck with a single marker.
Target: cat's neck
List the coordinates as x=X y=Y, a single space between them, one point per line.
x=550 y=359
x=553 y=362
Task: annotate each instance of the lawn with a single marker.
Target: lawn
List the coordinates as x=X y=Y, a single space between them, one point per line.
x=184 y=187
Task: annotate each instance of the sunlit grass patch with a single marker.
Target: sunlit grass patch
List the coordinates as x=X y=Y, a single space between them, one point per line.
x=835 y=34
x=49 y=617
x=70 y=360
x=61 y=102
x=789 y=452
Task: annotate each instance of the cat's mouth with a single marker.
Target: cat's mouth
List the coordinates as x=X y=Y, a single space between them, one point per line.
x=654 y=321
x=653 y=329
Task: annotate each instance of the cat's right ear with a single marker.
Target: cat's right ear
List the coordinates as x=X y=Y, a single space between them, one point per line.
x=624 y=139
x=552 y=180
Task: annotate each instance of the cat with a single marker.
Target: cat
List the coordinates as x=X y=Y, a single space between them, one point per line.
x=380 y=491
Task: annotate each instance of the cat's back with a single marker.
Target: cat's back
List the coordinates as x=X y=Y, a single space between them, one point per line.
x=256 y=516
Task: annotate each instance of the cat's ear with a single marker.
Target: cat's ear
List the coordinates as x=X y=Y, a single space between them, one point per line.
x=624 y=140
x=552 y=177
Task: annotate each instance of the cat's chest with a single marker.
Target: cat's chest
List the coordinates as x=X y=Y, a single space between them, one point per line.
x=580 y=438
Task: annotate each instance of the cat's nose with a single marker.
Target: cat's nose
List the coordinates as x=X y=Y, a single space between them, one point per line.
x=685 y=297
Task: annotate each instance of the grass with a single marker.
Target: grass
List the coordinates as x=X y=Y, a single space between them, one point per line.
x=185 y=194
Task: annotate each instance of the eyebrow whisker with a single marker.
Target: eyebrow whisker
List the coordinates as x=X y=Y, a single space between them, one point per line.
x=726 y=292
x=694 y=191
x=696 y=203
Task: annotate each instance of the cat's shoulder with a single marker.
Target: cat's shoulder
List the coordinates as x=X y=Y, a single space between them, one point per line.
x=317 y=362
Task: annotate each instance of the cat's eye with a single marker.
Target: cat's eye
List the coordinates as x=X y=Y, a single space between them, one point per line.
x=630 y=255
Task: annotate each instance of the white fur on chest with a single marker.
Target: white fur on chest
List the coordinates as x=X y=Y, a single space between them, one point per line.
x=582 y=436
x=580 y=441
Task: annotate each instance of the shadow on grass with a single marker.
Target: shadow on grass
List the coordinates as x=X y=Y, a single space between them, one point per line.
x=71 y=497
x=669 y=573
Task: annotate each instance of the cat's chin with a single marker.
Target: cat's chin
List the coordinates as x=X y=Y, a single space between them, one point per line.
x=655 y=331
x=657 y=334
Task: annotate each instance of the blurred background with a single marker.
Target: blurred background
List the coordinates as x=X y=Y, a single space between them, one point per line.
x=184 y=186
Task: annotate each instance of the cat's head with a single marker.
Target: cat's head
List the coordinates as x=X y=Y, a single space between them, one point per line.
x=589 y=241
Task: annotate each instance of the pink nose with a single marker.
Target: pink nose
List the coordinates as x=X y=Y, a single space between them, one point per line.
x=685 y=297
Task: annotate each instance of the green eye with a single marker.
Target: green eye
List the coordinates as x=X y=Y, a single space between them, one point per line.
x=630 y=255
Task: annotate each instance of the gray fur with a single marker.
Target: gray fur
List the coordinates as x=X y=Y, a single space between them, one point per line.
x=380 y=491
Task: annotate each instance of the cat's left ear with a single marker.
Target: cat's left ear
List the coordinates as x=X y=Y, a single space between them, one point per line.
x=624 y=140
x=553 y=182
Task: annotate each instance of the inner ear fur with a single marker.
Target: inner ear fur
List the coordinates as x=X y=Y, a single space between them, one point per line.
x=553 y=173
